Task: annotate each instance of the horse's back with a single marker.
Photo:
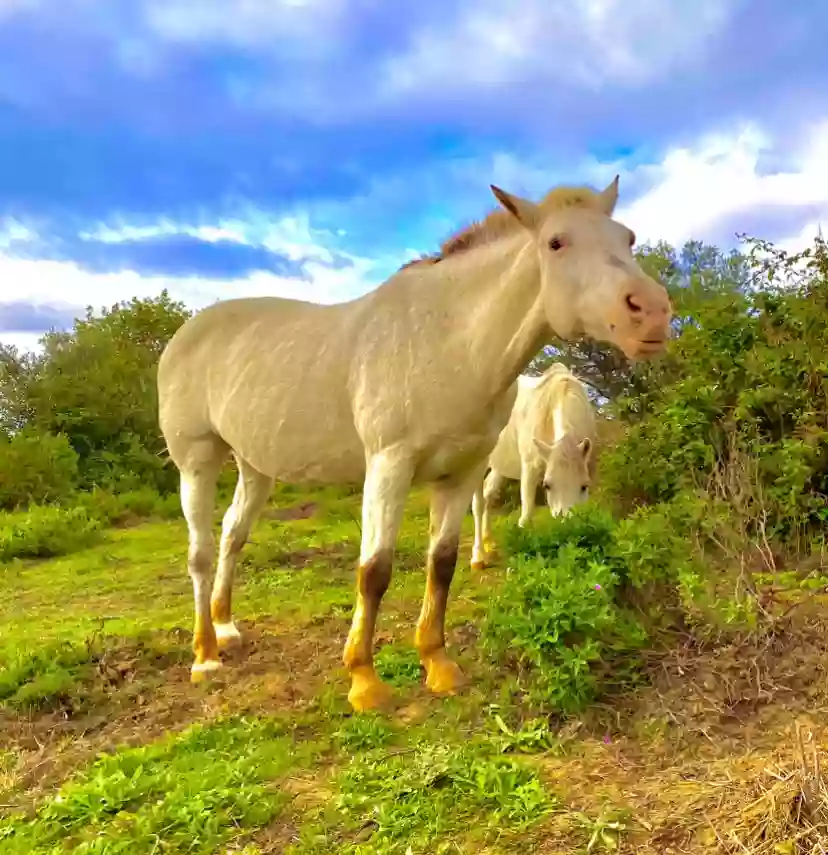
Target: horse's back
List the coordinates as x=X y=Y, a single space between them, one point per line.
x=268 y=376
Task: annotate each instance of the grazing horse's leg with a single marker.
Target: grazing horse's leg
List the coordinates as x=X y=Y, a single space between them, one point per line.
x=491 y=489
x=252 y=491
x=484 y=495
x=387 y=482
x=198 y=493
x=478 y=561
x=529 y=477
x=449 y=504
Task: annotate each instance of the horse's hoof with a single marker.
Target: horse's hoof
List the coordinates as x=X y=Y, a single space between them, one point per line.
x=444 y=676
x=202 y=671
x=368 y=692
x=227 y=636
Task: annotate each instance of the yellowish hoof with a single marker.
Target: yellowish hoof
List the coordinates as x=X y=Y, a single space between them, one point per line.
x=479 y=565
x=227 y=636
x=444 y=676
x=368 y=692
x=202 y=671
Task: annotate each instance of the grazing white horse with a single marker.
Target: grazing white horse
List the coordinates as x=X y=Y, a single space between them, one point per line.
x=411 y=383
x=550 y=440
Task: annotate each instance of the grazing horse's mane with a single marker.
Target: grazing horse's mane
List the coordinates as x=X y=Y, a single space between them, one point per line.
x=499 y=223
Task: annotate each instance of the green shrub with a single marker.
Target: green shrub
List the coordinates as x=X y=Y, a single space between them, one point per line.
x=36 y=467
x=737 y=408
x=47 y=531
x=558 y=616
x=119 y=508
x=585 y=593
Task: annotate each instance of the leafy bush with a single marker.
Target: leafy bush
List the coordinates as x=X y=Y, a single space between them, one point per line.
x=97 y=385
x=36 y=467
x=46 y=531
x=120 y=508
x=585 y=593
x=737 y=409
x=558 y=616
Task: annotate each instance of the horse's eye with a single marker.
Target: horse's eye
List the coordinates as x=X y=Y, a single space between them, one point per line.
x=556 y=243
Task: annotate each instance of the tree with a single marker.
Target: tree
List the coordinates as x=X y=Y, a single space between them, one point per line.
x=16 y=371
x=96 y=384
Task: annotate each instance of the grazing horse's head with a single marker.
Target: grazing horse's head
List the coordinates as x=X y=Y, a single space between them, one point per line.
x=591 y=283
x=568 y=473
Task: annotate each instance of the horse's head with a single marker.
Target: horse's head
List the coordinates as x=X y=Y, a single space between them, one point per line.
x=591 y=283
x=567 y=474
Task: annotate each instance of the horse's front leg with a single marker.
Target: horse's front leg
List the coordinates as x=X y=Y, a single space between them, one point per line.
x=387 y=482
x=478 y=560
x=530 y=475
x=484 y=548
x=449 y=504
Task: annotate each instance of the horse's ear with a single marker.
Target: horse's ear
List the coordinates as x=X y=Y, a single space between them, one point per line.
x=609 y=197
x=585 y=447
x=524 y=211
x=544 y=448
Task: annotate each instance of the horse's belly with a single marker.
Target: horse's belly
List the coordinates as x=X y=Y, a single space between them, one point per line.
x=453 y=456
x=297 y=440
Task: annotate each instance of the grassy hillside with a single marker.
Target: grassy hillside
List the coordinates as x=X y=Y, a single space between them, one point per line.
x=701 y=757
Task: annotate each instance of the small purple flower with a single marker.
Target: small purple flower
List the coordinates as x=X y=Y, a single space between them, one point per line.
x=597 y=587
x=607 y=739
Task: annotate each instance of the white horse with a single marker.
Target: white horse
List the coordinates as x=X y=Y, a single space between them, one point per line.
x=549 y=439
x=411 y=383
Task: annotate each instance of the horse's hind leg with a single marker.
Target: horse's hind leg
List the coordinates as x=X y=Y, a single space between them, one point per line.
x=252 y=491
x=449 y=504
x=200 y=468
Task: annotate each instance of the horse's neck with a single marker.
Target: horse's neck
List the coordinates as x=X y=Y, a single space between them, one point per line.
x=498 y=302
x=576 y=410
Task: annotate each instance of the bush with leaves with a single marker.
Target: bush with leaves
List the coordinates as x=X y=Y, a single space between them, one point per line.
x=96 y=385
x=36 y=467
x=737 y=409
x=559 y=616
x=42 y=532
x=586 y=592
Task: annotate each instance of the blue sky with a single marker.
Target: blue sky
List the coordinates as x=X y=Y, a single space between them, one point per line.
x=306 y=148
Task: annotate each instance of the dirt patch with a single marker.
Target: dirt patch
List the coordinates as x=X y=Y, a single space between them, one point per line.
x=733 y=692
x=707 y=758
x=303 y=511
x=143 y=699
x=296 y=559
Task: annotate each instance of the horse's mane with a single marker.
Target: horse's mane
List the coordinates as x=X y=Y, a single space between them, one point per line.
x=499 y=223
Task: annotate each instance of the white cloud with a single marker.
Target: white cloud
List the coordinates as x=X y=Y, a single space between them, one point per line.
x=251 y=22
x=291 y=237
x=55 y=282
x=718 y=179
x=587 y=42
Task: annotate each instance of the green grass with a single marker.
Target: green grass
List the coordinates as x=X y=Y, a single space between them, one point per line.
x=106 y=747
x=193 y=791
